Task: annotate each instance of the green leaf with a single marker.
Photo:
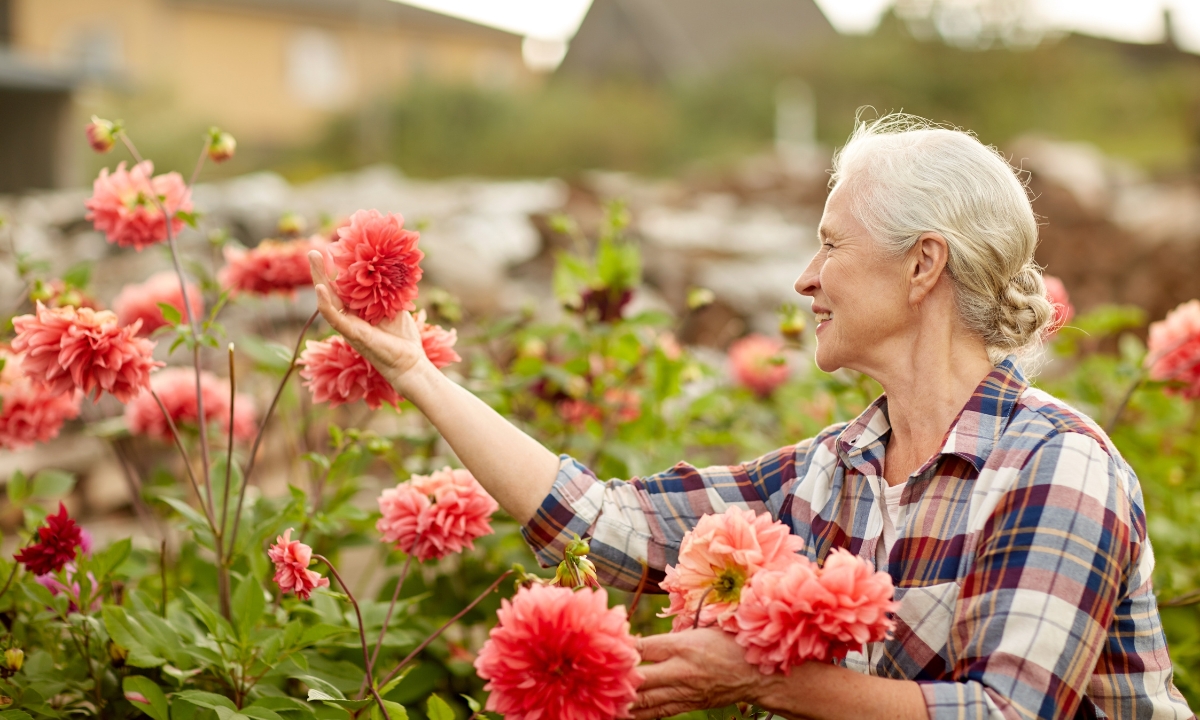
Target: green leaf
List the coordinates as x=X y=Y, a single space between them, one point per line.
x=439 y=709
x=15 y=715
x=270 y=356
x=225 y=713
x=212 y=701
x=216 y=624
x=170 y=313
x=395 y=711
x=111 y=558
x=277 y=705
x=319 y=632
x=475 y=705
x=157 y=705
x=262 y=713
x=391 y=685
x=350 y=706
x=18 y=487
x=129 y=634
x=318 y=684
x=248 y=606
x=52 y=483
x=78 y=275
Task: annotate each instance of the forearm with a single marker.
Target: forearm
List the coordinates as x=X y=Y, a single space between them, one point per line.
x=514 y=468
x=818 y=691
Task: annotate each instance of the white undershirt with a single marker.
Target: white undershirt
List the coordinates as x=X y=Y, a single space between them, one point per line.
x=891 y=518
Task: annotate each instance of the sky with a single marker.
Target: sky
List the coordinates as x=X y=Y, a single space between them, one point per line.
x=1131 y=20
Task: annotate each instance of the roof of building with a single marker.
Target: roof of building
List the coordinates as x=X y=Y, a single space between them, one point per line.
x=667 y=39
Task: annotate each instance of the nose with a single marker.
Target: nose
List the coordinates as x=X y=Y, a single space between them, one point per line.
x=810 y=280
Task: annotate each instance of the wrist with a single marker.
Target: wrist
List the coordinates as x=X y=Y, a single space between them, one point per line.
x=417 y=382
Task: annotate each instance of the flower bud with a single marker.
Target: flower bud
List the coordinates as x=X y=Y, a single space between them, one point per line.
x=117 y=654
x=14 y=658
x=576 y=570
x=699 y=297
x=291 y=224
x=5 y=701
x=791 y=323
x=102 y=134
x=532 y=348
x=221 y=145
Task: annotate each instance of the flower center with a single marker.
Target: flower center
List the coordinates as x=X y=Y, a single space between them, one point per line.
x=727 y=587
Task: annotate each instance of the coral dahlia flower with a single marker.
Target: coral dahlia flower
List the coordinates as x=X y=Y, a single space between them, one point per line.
x=758 y=363
x=431 y=516
x=800 y=613
x=55 y=547
x=378 y=265
x=274 y=266
x=29 y=412
x=140 y=301
x=437 y=342
x=337 y=374
x=560 y=653
x=176 y=387
x=122 y=204
x=717 y=558
x=1174 y=349
x=67 y=348
x=292 y=558
x=1056 y=293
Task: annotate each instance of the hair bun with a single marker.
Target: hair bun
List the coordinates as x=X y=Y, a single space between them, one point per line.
x=1023 y=310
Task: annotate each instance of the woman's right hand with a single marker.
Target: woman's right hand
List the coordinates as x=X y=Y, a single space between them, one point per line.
x=393 y=346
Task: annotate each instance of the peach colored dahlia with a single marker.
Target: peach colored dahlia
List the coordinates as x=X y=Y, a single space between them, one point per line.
x=758 y=363
x=1174 y=349
x=140 y=301
x=274 y=266
x=337 y=374
x=29 y=412
x=437 y=342
x=716 y=559
x=122 y=204
x=440 y=513
x=67 y=348
x=292 y=558
x=378 y=265
x=1056 y=293
x=176 y=387
x=560 y=653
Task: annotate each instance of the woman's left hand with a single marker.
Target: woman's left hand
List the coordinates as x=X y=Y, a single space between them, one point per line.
x=693 y=670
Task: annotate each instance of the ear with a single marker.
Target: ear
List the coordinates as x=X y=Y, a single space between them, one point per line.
x=927 y=265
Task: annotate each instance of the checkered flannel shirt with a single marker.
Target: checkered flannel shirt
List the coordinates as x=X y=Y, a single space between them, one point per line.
x=1021 y=563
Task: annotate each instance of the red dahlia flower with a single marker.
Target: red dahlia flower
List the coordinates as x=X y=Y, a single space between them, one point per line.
x=1056 y=293
x=140 y=302
x=292 y=558
x=55 y=547
x=29 y=412
x=378 y=265
x=758 y=363
x=274 y=266
x=437 y=342
x=67 y=349
x=560 y=653
x=122 y=204
x=176 y=387
x=1174 y=349
x=447 y=511
x=337 y=374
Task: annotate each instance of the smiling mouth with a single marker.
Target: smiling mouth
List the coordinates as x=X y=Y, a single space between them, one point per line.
x=823 y=317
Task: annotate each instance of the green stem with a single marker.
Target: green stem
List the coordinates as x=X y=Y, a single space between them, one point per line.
x=391 y=608
x=362 y=635
x=1116 y=418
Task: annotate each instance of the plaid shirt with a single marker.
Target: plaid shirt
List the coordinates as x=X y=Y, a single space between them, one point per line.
x=1021 y=563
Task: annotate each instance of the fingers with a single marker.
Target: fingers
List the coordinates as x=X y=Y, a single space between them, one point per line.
x=658 y=648
x=661 y=711
x=352 y=327
x=316 y=265
x=669 y=674
x=663 y=702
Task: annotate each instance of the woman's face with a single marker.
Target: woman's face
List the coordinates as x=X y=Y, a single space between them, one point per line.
x=859 y=293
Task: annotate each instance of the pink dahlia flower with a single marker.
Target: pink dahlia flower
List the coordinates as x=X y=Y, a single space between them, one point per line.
x=274 y=266
x=67 y=349
x=717 y=558
x=758 y=363
x=800 y=613
x=122 y=204
x=1174 y=349
x=29 y=412
x=176 y=387
x=437 y=342
x=440 y=513
x=292 y=558
x=560 y=653
x=1056 y=293
x=378 y=265
x=72 y=589
x=140 y=302
x=337 y=374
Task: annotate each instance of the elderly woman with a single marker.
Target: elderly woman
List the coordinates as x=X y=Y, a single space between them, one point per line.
x=1012 y=528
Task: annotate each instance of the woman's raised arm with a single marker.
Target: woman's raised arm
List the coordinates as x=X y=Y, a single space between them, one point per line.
x=513 y=467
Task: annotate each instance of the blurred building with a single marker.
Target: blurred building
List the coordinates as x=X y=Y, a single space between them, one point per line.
x=270 y=71
x=674 y=39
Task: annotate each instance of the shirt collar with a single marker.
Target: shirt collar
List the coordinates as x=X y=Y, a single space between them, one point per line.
x=972 y=435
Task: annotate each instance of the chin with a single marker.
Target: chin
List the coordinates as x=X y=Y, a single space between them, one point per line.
x=826 y=360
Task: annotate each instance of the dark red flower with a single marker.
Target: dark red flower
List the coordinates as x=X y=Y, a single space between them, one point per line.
x=55 y=547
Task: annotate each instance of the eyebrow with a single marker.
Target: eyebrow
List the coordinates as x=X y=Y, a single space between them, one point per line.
x=824 y=232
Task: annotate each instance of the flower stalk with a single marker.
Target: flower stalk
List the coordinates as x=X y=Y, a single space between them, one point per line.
x=362 y=636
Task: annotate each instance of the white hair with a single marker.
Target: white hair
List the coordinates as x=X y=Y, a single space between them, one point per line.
x=907 y=176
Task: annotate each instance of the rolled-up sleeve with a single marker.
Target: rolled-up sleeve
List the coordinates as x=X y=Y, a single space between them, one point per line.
x=1032 y=614
x=635 y=526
